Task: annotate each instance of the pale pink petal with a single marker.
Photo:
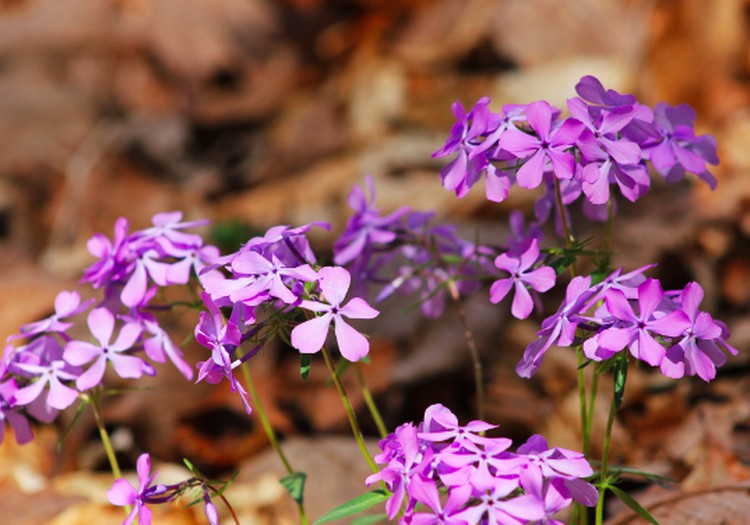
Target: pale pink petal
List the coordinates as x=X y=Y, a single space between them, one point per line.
x=334 y=283
x=101 y=322
x=352 y=344
x=122 y=493
x=357 y=308
x=310 y=336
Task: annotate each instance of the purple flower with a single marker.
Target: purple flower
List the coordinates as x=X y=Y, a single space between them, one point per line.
x=540 y=279
x=269 y=278
x=680 y=150
x=101 y=323
x=58 y=396
x=469 y=138
x=10 y=414
x=591 y=90
x=697 y=352
x=425 y=491
x=560 y=328
x=67 y=305
x=636 y=331
x=123 y=493
x=547 y=145
x=366 y=227
x=309 y=337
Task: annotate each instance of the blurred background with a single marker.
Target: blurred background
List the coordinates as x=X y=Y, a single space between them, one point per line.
x=259 y=112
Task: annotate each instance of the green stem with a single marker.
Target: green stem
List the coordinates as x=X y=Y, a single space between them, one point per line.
x=471 y=343
x=108 y=448
x=349 y=411
x=603 y=482
x=370 y=402
x=585 y=434
x=591 y=403
x=569 y=239
x=270 y=433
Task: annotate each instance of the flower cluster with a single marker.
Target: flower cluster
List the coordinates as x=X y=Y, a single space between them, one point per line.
x=629 y=310
x=265 y=285
x=481 y=480
x=124 y=494
x=607 y=140
x=405 y=251
x=51 y=369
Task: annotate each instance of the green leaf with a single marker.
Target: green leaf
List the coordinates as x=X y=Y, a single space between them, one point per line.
x=305 y=364
x=369 y=519
x=295 y=484
x=628 y=500
x=354 y=506
x=621 y=373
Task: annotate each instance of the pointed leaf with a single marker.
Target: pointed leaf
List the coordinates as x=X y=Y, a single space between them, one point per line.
x=628 y=500
x=295 y=484
x=354 y=506
x=305 y=364
x=620 y=374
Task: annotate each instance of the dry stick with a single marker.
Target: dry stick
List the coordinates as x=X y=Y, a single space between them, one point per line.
x=471 y=343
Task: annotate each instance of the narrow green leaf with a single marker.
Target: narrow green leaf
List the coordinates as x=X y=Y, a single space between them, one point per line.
x=305 y=364
x=628 y=500
x=621 y=372
x=370 y=519
x=354 y=506
x=295 y=484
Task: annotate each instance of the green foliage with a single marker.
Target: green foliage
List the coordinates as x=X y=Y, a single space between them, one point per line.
x=354 y=506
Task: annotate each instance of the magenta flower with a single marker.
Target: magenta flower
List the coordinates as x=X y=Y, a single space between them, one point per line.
x=540 y=279
x=636 y=330
x=548 y=145
x=67 y=305
x=58 y=396
x=101 y=323
x=425 y=491
x=309 y=337
x=680 y=150
x=123 y=493
x=697 y=352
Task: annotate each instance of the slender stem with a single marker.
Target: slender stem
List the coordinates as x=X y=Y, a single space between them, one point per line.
x=592 y=402
x=349 y=411
x=471 y=343
x=234 y=514
x=270 y=433
x=585 y=435
x=603 y=469
x=569 y=239
x=609 y=227
x=108 y=448
x=370 y=402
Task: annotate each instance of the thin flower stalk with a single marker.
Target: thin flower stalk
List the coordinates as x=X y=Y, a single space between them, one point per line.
x=370 y=402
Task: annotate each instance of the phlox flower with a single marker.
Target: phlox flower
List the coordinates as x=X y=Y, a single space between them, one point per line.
x=636 y=330
x=123 y=493
x=67 y=305
x=551 y=464
x=101 y=323
x=560 y=328
x=470 y=138
x=54 y=374
x=425 y=491
x=697 y=351
x=10 y=413
x=366 y=227
x=680 y=150
x=309 y=337
x=540 y=279
x=547 y=145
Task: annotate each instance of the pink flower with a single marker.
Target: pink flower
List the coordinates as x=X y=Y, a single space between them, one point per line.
x=309 y=336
